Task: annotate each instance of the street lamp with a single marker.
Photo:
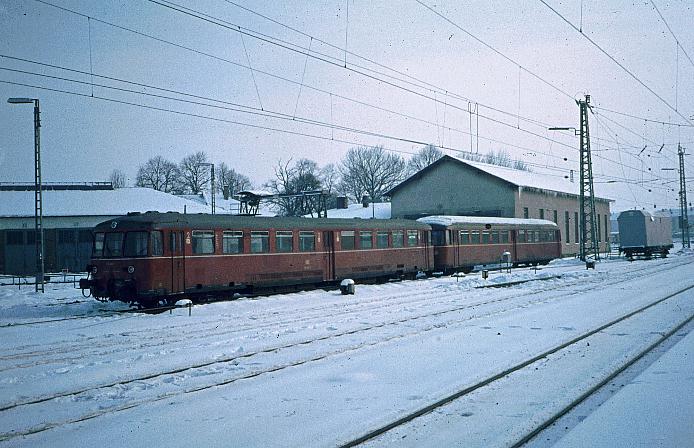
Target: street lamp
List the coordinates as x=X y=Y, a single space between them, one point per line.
x=211 y=165
x=38 y=202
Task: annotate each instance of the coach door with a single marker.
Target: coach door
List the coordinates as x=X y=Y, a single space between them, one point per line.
x=178 y=262
x=329 y=257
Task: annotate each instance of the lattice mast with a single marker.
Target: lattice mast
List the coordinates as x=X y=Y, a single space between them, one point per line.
x=38 y=200
x=684 y=216
x=589 y=241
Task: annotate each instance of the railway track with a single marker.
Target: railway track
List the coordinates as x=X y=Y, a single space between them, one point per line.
x=325 y=312
x=77 y=395
x=49 y=356
x=490 y=380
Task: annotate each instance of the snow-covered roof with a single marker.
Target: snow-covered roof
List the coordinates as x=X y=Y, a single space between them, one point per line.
x=378 y=210
x=520 y=178
x=444 y=220
x=116 y=202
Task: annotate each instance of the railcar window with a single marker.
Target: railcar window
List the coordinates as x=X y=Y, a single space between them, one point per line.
x=504 y=236
x=412 y=238
x=495 y=237
x=98 y=249
x=464 y=237
x=382 y=240
x=474 y=237
x=398 y=236
x=307 y=241
x=365 y=241
x=157 y=243
x=284 y=241
x=203 y=242
x=113 y=244
x=485 y=237
x=521 y=236
x=136 y=244
x=537 y=236
x=347 y=239
x=260 y=242
x=232 y=242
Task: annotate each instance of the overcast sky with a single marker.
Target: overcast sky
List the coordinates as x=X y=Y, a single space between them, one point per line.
x=87 y=135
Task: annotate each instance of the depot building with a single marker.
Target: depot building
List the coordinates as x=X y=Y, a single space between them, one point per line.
x=452 y=186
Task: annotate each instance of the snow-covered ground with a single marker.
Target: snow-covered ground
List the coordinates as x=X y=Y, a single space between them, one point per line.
x=321 y=369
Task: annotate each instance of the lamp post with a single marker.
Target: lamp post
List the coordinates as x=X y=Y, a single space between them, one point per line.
x=211 y=165
x=38 y=202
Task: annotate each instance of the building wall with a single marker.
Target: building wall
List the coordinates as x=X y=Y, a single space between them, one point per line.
x=453 y=189
x=542 y=205
x=67 y=243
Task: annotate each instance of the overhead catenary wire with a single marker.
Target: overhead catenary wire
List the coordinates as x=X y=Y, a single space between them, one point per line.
x=613 y=59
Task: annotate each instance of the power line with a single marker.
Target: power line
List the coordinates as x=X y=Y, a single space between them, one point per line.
x=629 y=72
x=651 y=120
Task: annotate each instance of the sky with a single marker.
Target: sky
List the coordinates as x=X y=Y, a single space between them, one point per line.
x=255 y=82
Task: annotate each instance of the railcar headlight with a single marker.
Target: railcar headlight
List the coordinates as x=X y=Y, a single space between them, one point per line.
x=131 y=269
x=94 y=270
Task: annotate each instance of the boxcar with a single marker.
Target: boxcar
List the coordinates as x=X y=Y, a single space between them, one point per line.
x=150 y=257
x=461 y=242
x=641 y=233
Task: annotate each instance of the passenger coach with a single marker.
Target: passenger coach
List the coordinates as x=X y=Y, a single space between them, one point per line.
x=461 y=242
x=150 y=257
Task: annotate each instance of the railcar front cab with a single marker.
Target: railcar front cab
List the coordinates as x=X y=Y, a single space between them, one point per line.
x=120 y=264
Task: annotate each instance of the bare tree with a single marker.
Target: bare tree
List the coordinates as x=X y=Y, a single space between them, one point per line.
x=159 y=174
x=228 y=177
x=194 y=175
x=302 y=176
x=425 y=157
x=117 y=178
x=371 y=170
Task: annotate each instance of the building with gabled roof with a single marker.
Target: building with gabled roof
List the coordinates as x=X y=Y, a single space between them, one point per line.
x=452 y=186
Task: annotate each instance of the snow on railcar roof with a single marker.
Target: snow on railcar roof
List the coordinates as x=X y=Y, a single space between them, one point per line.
x=445 y=220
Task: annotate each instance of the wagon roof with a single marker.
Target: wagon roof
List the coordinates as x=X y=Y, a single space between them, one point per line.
x=462 y=221
x=207 y=221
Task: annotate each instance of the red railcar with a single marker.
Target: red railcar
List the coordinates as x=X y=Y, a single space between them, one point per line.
x=150 y=257
x=461 y=242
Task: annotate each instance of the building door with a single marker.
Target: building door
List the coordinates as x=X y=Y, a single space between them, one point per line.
x=329 y=257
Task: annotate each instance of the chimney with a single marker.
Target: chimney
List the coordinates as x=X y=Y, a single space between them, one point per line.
x=365 y=200
x=342 y=202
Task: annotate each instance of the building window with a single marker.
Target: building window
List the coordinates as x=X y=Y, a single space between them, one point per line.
x=16 y=237
x=555 y=216
x=66 y=236
x=365 y=241
x=412 y=238
x=203 y=242
x=576 y=228
x=599 y=232
x=260 y=242
x=284 y=241
x=607 y=229
x=307 y=241
x=398 y=237
x=542 y=213
x=347 y=239
x=525 y=212
x=381 y=240
x=566 y=227
x=232 y=242
x=157 y=243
